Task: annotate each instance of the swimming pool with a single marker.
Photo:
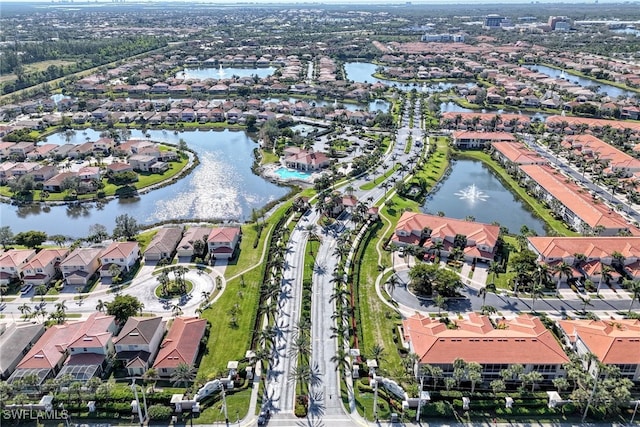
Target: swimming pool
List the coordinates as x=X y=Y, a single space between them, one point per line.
x=286 y=173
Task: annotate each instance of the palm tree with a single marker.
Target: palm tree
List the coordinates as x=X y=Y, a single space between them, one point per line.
x=183 y=375
x=376 y=352
x=605 y=275
x=341 y=361
x=536 y=292
x=176 y=310
x=392 y=282
x=440 y=302
x=562 y=269
x=101 y=306
x=484 y=290
x=151 y=376
x=25 y=310
x=41 y=290
x=493 y=268
x=634 y=288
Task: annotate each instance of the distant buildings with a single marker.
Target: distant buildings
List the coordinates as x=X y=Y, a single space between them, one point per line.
x=443 y=38
x=493 y=21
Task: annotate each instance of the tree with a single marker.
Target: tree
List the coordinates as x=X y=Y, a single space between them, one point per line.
x=123 y=307
x=486 y=289
x=562 y=269
x=392 y=282
x=6 y=236
x=440 y=302
x=31 y=239
x=97 y=233
x=376 y=352
x=126 y=227
x=183 y=375
x=634 y=289
x=101 y=306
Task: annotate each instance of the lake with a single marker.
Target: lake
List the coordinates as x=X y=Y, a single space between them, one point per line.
x=452 y=107
x=223 y=73
x=609 y=90
x=362 y=72
x=472 y=189
x=222 y=187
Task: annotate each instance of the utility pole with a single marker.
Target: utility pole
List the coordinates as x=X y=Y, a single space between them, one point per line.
x=593 y=393
x=134 y=387
x=419 y=398
x=224 y=404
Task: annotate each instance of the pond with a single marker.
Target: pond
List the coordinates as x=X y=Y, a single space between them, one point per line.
x=472 y=189
x=362 y=72
x=606 y=89
x=223 y=73
x=452 y=107
x=222 y=187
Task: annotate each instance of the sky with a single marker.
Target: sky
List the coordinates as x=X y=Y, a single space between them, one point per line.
x=346 y=2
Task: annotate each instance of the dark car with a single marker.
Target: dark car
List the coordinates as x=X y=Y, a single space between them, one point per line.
x=263 y=417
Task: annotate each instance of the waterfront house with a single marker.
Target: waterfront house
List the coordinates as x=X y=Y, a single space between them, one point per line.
x=222 y=241
x=423 y=230
x=123 y=254
x=191 y=235
x=80 y=265
x=12 y=263
x=470 y=139
x=163 y=244
x=306 y=160
x=44 y=266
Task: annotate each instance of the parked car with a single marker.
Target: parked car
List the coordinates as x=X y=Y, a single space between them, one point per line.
x=263 y=417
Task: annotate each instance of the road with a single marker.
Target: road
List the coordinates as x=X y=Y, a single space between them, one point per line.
x=325 y=405
x=630 y=211
x=470 y=301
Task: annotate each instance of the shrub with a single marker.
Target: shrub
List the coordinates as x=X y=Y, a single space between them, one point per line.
x=159 y=412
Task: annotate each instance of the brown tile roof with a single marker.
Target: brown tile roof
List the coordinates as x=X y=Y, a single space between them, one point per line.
x=523 y=340
x=181 y=343
x=592 y=247
x=139 y=330
x=612 y=341
x=223 y=234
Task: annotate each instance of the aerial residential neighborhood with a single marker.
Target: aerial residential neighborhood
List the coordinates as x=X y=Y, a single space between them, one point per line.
x=319 y=214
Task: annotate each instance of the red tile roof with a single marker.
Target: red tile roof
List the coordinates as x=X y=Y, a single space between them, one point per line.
x=612 y=341
x=523 y=340
x=181 y=343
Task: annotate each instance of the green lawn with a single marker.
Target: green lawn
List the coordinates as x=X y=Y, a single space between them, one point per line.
x=237 y=407
x=145 y=238
x=372 y=184
x=227 y=340
x=269 y=157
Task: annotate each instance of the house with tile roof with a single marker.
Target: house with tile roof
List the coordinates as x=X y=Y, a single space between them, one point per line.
x=598 y=251
x=80 y=265
x=138 y=342
x=163 y=244
x=425 y=230
x=222 y=242
x=522 y=340
x=123 y=254
x=191 y=235
x=181 y=345
x=513 y=154
x=44 y=266
x=613 y=342
x=575 y=206
x=12 y=263
x=15 y=341
x=471 y=139
x=297 y=158
x=50 y=352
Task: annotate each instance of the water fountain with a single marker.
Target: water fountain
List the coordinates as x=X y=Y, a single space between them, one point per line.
x=472 y=194
x=221 y=71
